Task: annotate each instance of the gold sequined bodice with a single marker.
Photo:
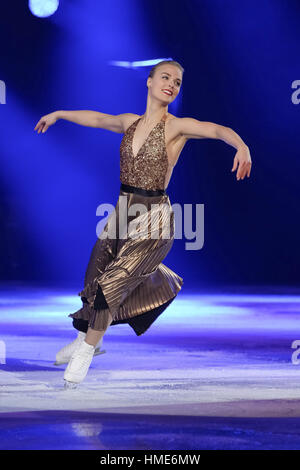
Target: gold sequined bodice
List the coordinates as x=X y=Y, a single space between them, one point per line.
x=147 y=169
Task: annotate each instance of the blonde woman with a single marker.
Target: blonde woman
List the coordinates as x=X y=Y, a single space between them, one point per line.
x=126 y=281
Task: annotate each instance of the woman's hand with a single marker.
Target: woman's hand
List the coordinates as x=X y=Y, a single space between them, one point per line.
x=46 y=121
x=243 y=158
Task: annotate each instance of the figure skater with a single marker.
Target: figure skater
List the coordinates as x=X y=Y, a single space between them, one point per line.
x=125 y=280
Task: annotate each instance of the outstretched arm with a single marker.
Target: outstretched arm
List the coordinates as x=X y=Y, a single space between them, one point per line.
x=193 y=129
x=114 y=123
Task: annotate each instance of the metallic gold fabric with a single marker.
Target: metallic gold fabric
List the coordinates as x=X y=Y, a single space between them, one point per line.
x=147 y=169
x=125 y=276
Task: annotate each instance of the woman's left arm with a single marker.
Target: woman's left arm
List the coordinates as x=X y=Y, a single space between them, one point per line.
x=193 y=129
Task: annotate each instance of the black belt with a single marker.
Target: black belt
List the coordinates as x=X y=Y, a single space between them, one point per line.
x=143 y=192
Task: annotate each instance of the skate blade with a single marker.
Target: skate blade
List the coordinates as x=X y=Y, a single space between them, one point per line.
x=96 y=353
x=69 y=385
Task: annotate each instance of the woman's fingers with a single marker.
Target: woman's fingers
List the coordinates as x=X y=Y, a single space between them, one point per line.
x=45 y=122
x=243 y=160
x=235 y=161
x=41 y=126
x=37 y=127
x=240 y=171
x=244 y=169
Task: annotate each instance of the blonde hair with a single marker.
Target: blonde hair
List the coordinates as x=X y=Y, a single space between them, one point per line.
x=163 y=62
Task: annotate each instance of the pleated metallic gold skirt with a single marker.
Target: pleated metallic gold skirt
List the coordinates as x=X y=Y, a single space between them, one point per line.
x=125 y=277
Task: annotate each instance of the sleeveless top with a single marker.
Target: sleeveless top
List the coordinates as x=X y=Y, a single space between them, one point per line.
x=149 y=167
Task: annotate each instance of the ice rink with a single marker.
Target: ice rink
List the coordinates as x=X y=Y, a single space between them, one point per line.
x=215 y=371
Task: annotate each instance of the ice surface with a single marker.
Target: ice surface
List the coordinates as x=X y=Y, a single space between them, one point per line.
x=212 y=356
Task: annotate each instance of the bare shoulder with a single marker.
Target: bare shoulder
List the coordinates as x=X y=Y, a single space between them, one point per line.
x=175 y=125
x=127 y=119
x=177 y=122
x=191 y=128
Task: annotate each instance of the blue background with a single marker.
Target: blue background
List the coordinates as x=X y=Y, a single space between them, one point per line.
x=240 y=59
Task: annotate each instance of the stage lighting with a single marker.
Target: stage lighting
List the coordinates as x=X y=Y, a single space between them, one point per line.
x=43 y=8
x=137 y=63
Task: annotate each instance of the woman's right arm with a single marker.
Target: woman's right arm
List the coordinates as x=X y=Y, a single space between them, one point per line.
x=85 y=118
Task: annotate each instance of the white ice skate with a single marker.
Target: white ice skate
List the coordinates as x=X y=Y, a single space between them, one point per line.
x=64 y=354
x=78 y=365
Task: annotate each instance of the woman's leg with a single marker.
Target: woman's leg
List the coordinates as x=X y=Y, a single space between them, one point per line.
x=94 y=336
x=82 y=357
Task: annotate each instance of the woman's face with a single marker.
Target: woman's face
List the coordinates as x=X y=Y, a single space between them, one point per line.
x=166 y=82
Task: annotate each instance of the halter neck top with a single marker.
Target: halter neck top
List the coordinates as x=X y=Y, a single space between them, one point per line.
x=148 y=168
